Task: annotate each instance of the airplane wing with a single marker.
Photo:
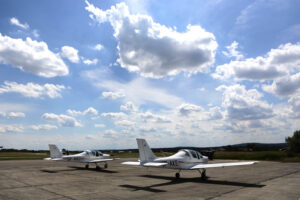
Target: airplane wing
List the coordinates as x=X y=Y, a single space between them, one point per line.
x=204 y=166
x=147 y=164
x=131 y=163
x=98 y=160
x=154 y=164
x=54 y=159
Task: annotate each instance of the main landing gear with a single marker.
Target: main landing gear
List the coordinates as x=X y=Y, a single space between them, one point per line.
x=86 y=166
x=203 y=174
x=105 y=165
x=177 y=175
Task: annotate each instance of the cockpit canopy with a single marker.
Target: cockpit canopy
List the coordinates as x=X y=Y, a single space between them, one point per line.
x=94 y=153
x=189 y=153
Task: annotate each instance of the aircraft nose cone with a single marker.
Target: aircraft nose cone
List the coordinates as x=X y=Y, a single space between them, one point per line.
x=205 y=159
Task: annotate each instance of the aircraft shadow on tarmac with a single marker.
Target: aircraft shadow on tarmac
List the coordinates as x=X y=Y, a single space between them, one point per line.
x=74 y=168
x=199 y=180
x=173 y=181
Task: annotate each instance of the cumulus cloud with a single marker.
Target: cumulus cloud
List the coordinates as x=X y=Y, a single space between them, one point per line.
x=90 y=62
x=242 y=104
x=62 y=120
x=124 y=123
x=70 y=53
x=233 y=52
x=186 y=109
x=155 y=50
x=284 y=86
x=16 y=115
x=98 y=47
x=5 y=128
x=275 y=64
x=113 y=95
x=89 y=111
x=295 y=106
x=16 y=22
x=31 y=56
x=148 y=116
x=33 y=90
x=129 y=106
x=112 y=115
x=43 y=127
x=215 y=113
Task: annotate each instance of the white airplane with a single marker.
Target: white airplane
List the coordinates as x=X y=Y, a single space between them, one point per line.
x=185 y=159
x=87 y=157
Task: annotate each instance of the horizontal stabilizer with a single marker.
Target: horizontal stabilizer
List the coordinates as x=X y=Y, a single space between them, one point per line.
x=154 y=164
x=54 y=159
x=204 y=166
x=131 y=163
x=98 y=160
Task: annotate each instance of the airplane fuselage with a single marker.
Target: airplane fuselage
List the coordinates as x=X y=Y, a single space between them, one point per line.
x=184 y=159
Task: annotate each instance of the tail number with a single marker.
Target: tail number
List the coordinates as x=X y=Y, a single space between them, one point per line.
x=173 y=163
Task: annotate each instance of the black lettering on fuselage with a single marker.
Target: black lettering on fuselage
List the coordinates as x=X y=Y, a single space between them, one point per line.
x=173 y=163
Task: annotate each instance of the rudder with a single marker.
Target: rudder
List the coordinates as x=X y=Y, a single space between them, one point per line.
x=145 y=152
x=54 y=151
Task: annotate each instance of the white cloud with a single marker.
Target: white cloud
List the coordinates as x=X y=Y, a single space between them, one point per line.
x=275 y=64
x=16 y=114
x=295 y=106
x=90 y=62
x=285 y=86
x=89 y=111
x=70 y=53
x=242 y=104
x=31 y=56
x=35 y=33
x=62 y=120
x=113 y=95
x=100 y=125
x=148 y=116
x=98 y=47
x=129 y=106
x=33 y=90
x=140 y=92
x=112 y=115
x=15 y=21
x=215 y=113
x=124 y=123
x=233 y=52
x=186 y=109
x=155 y=50
x=45 y=127
x=4 y=128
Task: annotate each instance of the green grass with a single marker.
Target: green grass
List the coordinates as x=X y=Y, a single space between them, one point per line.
x=259 y=155
x=22 y=156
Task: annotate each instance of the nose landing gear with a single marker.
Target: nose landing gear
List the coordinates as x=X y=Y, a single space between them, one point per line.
x=177 y=175
x=203 y=174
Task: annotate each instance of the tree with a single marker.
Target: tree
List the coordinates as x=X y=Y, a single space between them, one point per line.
x=294 y=142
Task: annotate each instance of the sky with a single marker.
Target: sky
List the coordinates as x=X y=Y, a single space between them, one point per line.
x=98 y=74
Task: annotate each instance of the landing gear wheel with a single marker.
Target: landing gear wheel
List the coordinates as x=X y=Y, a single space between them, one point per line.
x=97 y=167
x=86 y=166
x=105 y=165
x=177 y=175
x=203 y=175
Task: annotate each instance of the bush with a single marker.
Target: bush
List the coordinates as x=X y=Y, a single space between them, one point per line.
x=294 y=142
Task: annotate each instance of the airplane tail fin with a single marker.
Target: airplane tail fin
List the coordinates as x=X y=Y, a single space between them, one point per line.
x=54 y=151
x=146 y=153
